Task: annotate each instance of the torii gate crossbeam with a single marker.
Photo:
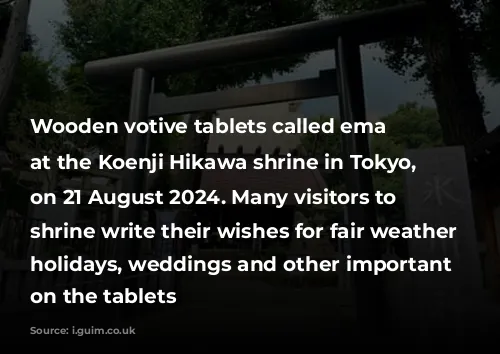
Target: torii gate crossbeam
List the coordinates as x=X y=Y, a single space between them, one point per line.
x=344 y=34
x=362 y=28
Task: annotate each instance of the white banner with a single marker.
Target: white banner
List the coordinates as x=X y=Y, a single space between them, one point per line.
x=164 y=246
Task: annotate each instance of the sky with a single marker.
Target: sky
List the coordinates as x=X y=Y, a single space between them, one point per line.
x=384 y=90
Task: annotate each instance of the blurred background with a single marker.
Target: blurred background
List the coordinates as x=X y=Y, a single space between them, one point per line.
x=439 y=89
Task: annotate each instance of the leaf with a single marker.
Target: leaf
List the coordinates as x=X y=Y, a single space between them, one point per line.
x=98 y=29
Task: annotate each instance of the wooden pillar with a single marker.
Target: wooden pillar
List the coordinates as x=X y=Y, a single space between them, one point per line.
x=370 y=300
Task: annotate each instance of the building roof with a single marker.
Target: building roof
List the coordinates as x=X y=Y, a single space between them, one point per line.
x=262 y=181
x=259 y=181
x=269 y=114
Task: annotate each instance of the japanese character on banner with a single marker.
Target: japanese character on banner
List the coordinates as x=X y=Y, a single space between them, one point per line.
x=438 y=192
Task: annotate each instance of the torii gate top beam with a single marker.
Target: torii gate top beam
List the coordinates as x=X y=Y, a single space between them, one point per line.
x=367 y=27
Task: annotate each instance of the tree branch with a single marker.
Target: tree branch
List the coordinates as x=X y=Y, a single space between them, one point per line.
x=12 y=48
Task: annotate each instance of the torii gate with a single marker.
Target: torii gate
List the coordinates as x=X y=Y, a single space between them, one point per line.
x=344 y=35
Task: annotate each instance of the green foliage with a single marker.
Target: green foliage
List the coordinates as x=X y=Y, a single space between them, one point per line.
x=37 y=96
x=5 y=12
x=30 y=78
x=410 y=127
x=35 y=79
x=478 y=21
x=99 y=29
x=491 y=50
